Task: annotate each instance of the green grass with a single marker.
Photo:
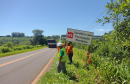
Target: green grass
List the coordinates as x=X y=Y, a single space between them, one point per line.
x=76 y=73
x=20 y=51
x=103 y=70
x=16 y=40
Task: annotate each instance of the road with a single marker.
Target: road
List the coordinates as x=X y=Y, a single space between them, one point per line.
x=24 y=68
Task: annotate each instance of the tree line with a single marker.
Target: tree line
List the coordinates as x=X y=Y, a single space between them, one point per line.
x=17 y=34
x=37 y=39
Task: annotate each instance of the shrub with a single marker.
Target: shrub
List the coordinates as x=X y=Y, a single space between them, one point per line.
x=0 y=51
x=24 y=46
x=18 y=48
x=8 y=44
x=44 y=45
x=103 y=50
x=27 y=46
x=31 y=47
x=6 y=49
x=38 y=46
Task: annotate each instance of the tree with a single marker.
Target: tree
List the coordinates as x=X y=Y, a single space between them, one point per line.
x=119 y=14
x=7 y=35
x=38 y=38
x=37 y=32
x=43 y=40
x=17 y=34
x=21 y=34
x=48 y=37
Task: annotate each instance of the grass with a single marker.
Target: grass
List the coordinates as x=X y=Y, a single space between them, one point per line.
x=76 y=73
x=20 y=51
x=15 y=40
x=101 y=71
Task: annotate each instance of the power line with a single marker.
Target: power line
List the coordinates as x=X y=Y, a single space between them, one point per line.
x=94 y=26
x=96 y=19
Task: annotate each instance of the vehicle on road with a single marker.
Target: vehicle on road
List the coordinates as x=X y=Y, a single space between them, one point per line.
x=52 y=43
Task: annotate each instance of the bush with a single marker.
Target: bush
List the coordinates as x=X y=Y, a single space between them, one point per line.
x=27 y=46
x=119 y=54
x=24 y=46
x=31 y=47
x=0 y=51
x=6 y=49
x=44 y=45
x=8 y=44
x=112 y=71
x=103 y=50
x=38 y=46
x=18 y=48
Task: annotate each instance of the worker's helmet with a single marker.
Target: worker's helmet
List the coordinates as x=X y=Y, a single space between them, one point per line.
x=88 y=53
x=60 y=44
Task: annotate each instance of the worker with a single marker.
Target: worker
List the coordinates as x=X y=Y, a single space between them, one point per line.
x=66 y=49
x=70 y=52
x=66 y=46
x=62 y=57
x=63 y=45
x=58 y=49
x=88 y=58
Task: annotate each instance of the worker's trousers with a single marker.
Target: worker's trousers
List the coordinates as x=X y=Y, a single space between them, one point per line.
x=70 y=57
x=62 y=67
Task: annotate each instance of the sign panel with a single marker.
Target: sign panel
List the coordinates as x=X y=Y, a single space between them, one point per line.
x=79 y=36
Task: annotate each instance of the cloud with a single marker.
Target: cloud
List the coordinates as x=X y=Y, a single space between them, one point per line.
x=102 y=29
x=108 y=29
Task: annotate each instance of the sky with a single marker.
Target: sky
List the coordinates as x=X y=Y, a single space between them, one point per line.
x=51 y=16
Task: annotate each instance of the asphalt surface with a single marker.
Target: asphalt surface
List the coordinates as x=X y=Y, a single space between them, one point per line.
x=24 y=68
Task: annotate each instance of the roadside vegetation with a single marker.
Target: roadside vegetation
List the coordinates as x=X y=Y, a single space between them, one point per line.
x=110 y=54
x=102 y=70
x=15 y=40
x=8 y=49
x=18 y=43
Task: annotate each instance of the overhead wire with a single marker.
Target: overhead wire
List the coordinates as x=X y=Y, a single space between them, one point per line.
x=95 y=20
x=90 y=26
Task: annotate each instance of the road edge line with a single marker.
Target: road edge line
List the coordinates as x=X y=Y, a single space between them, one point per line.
x=41 y=73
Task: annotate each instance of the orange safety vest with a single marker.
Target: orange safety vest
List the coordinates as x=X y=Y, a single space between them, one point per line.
x=63 y=45
x=58 y=49
x=69 y=49
x=88 y=58
x=66 y=48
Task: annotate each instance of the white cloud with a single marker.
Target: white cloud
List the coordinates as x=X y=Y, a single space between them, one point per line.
x=99 y=29
x=102 y=29
x=108 y=29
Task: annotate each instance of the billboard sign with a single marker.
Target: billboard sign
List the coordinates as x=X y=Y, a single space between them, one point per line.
x=78 y=36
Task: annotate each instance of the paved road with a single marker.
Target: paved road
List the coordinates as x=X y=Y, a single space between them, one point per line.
x=24 y=68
